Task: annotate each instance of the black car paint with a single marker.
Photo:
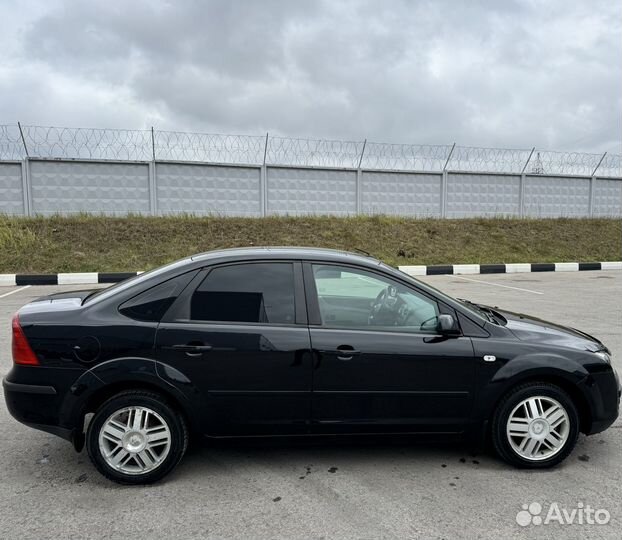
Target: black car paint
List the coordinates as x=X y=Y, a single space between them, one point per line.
x=291 y=379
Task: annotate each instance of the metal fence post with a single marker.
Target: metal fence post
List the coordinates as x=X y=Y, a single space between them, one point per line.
x=359 y=181
x=444 y=194
x=153 y=179
x=521 y=195
x=592 y=181
x=263 y=182
x=590 y=204
x=521 y=187
x=27 y=192
x=444 y=179
x=153 y=186
x=26 y=186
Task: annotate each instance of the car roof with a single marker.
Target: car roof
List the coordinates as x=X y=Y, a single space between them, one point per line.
x=285 y=252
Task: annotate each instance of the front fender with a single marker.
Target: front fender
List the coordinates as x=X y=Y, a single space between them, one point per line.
x=532 y=367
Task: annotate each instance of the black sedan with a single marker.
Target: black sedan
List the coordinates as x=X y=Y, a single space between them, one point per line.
x=296 y=341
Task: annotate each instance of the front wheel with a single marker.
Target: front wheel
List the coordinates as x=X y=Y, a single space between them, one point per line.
x=136 y=437
x=535 y=426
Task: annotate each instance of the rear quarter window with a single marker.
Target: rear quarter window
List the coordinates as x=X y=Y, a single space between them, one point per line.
x=152 y=304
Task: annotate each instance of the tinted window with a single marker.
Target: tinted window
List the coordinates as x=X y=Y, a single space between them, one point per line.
x=151 y=304
x=352 y=298
x=133 y=281
x=257 y=292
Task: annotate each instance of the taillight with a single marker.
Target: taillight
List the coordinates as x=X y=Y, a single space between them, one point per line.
x=22 y=353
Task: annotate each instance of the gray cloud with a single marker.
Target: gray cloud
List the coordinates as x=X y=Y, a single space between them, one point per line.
x=516 y=73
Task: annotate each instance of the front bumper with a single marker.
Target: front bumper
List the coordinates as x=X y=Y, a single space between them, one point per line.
x=606 y=392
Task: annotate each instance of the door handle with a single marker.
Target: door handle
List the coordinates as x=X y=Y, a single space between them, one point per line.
x=346 y=352
x=189 y=349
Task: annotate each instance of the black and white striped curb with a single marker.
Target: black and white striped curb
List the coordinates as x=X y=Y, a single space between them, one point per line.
x=89 y=278
x=509 y=268
x=71 y=278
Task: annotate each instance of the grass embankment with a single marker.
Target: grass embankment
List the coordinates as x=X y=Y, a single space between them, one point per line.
x=91 y=243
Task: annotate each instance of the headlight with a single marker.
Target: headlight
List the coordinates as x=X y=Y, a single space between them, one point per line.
x=604 y=356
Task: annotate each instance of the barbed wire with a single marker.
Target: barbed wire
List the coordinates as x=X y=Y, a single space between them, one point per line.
x=18 y=142
x=206 y=147
x=405 y=156
x=11 y=146
x=88 y=143
x=313 y=152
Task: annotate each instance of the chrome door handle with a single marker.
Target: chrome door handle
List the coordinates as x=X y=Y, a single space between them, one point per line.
x=189 y=349
x=346 y=352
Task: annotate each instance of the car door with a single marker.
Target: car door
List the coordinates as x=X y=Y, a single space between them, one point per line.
x=380 y=363
x=239 y=335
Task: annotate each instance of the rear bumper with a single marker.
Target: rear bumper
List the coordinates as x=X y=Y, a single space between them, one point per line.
x=35 y=406
x=28 y=388
x=31 y=400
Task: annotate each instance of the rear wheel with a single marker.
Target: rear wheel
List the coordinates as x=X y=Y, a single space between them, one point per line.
x=535 y=426
x=136 y=437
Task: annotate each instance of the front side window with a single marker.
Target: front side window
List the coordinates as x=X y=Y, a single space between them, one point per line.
x=253 y=293
x=353 y=298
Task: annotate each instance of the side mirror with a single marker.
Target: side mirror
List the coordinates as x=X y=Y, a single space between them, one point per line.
x=447 y=325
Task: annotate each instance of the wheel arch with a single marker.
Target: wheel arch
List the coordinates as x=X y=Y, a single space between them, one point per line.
x=96 y=386
x=572 y=388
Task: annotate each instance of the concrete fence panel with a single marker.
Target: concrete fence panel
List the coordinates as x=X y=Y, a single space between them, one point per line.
x=557 y=196
x=310 y=191
x=207 y=189
x=11 y=189
x=471 y=195
x=67 y=187
x=402 y=194
x=607 y=198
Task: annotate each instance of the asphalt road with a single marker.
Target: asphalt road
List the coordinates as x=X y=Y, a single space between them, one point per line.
x=354 y=489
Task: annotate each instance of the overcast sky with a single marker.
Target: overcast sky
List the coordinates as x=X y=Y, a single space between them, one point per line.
x=483 y=73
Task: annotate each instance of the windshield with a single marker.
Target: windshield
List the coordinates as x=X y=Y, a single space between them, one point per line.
x=130 y=282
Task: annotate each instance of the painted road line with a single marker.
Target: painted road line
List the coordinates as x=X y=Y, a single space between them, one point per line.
x=14 y=291
x=499 y=285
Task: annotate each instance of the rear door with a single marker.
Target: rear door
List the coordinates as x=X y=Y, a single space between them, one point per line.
x=381 y=365
x=239 y=334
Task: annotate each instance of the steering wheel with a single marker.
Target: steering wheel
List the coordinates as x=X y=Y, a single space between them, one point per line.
x=384 y=303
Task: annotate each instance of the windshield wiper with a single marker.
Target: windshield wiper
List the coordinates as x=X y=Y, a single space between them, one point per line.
x=491 y=314
x=486 y=312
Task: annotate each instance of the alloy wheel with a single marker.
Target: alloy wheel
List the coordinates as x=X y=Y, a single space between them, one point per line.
x=134 y=440
x=537 y=428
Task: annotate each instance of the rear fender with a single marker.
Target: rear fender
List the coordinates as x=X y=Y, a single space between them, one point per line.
x=123 y=373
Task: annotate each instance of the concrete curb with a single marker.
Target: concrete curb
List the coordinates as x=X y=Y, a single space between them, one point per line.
x=509 y=268
x=89 y=278
x=72 y=278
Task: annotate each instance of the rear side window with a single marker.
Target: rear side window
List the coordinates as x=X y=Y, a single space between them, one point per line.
x=254 y=292
x=150 y=305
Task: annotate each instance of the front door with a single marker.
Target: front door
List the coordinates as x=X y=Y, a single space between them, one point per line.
x=380 y=363
x=239 y=334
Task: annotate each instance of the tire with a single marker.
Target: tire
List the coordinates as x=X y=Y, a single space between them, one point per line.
x=136 y=437
x=535 y=438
